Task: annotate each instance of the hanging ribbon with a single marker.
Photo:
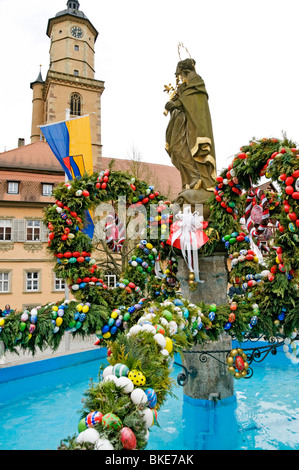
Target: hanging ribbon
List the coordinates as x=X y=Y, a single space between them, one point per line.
x=187 y=235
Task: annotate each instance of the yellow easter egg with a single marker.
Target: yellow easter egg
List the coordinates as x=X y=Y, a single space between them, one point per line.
x=107 y=335
x=114 y=314
x=277 y=260
x=255 y=259
x=85 y=309
x=29 y=336
x=2 y=321
x=149 y=246
x=79 y=307
x=59 y=321
x=55 y=308
x=169 y=345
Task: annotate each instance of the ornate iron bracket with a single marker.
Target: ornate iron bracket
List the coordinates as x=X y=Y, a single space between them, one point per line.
x=255 y=354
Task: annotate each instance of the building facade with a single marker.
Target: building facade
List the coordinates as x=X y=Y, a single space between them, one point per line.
x=29 y=173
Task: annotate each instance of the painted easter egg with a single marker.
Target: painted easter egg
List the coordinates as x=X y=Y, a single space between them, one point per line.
x=177 y=302
x=137 y=377
x=138 y=396
x=159 y=329
x=93 y=418
x=126 y=384
x=110 y=420
x=155 y=417
x=239 y=363
x=151 y=397
x=120 y=370
x=128 y=439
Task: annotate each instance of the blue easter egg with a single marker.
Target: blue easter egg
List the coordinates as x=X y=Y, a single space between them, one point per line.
x=151 y=397
x=82 y=285
x=185 y=312
x=82 y=317
x=281 y=316
x=212 y=316
x=177 y=302
x=113 y=330
x=253 y=320
x=105 y=329
x=33 y=319
x=111 y=321
x=117 y=323
x=227 y=325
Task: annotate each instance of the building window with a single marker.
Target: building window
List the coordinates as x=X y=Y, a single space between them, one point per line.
x=13 y=187
x=33 y=230
x=76 y=47
x=111 y=281
x=75 y=104
x=4 y=282
x=76 y=73
x=59 y=284
x=47 y=189
x=32 y=281
x=5 y=229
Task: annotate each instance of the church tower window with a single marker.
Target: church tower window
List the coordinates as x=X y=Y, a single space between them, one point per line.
x=76 y=104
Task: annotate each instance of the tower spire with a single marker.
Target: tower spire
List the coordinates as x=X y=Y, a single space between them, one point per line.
x=73 y=5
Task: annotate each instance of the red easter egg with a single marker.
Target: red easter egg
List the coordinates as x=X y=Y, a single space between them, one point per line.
x=289 y=181
x=103 y=185
x=292 y=216
x=295 y=195
x=242 y=155
x=68 y=254
x=105 y=179
x=283 y=150
x=64 y=237
x=282 y=177
x=239 y=363
x=295 y=174
x=74 y=214
x=219 y=179
x=51 y=235
x=231 y=317
x=289 y=190
x=240 y=238
x=85 y=193
x=128 y=438
x=98 y=185
x=80 y=259
x=106 y=172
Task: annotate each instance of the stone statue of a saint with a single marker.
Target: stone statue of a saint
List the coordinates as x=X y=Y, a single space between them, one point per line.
x=189 y=134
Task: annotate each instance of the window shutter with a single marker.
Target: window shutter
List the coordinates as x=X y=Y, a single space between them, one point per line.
x=19 y=230
x=44 y=233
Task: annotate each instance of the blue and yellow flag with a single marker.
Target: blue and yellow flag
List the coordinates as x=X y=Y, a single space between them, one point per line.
x=70 y=141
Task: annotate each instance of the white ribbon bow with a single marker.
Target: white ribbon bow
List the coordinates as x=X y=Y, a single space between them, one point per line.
x=189 y=223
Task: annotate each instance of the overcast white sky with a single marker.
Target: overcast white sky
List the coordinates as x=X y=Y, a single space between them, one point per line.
x=246 y=52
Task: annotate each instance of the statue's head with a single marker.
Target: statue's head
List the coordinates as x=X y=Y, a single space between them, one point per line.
x=185 y=66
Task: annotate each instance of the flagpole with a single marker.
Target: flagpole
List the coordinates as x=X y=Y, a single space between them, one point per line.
x=66 y=287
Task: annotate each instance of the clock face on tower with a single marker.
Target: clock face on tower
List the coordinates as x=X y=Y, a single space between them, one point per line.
x=77 y=32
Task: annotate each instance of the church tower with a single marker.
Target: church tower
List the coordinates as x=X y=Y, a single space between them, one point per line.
x=70 y=83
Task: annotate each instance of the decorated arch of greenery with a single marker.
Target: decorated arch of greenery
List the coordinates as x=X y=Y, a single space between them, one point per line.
x=143 y=322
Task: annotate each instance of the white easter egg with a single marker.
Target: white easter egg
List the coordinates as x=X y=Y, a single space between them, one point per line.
x=134 y=329
x=110 y=378
x=173 y=327
x=148 y=328
x=89 y=435
x=164 y=352
x=103 y=444
x=147 y=417
x=138 y=396
x=160 y=339
x=107 y=371
x=126 y=384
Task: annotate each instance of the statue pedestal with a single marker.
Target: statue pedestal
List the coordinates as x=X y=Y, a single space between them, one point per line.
x=209 y=378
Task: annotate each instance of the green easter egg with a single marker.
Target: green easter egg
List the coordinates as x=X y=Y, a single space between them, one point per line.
x=22 y=326
x=167 y=314
x=82 y=426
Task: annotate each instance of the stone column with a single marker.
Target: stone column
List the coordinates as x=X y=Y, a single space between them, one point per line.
x=209 y=380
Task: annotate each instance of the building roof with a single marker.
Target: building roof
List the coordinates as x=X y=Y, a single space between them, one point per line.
x=39 y=158
x=33 y=157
